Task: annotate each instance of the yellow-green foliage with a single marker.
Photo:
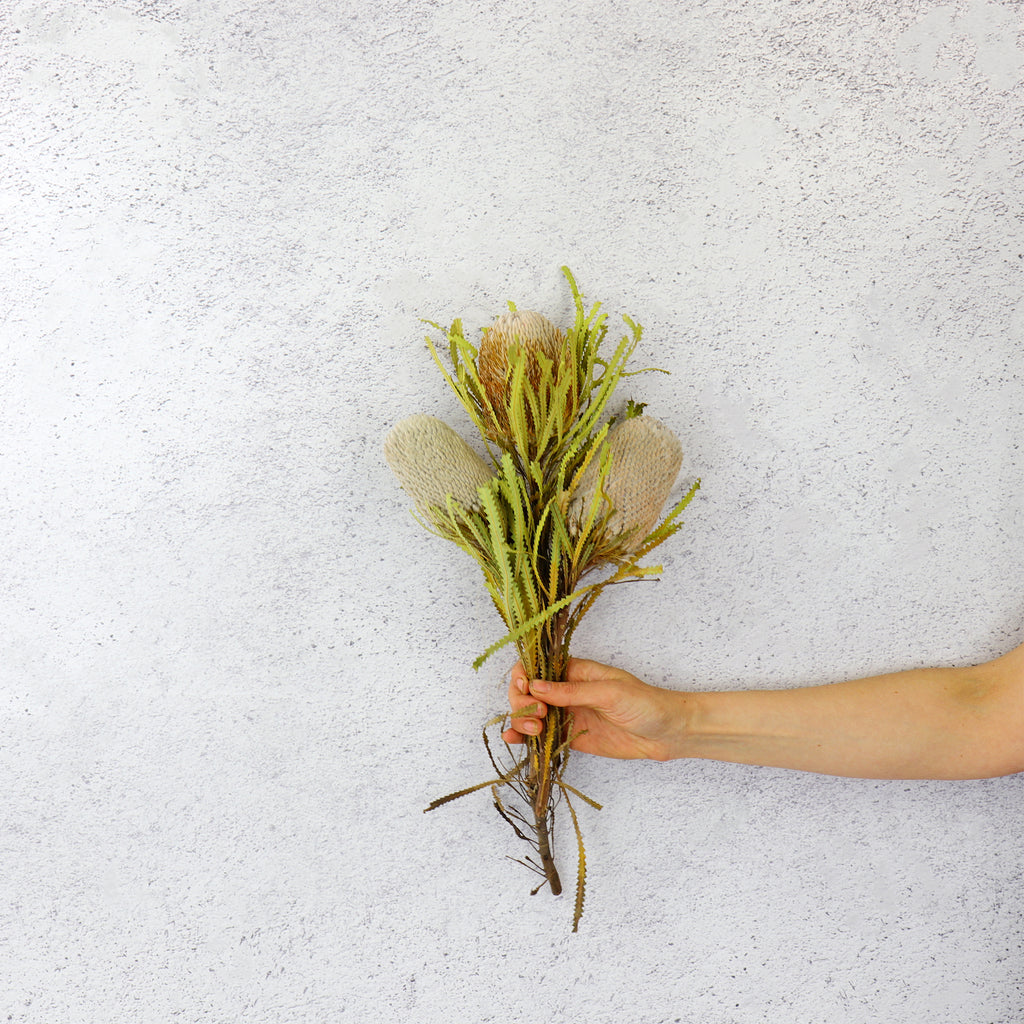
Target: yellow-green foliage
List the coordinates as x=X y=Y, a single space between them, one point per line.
x=532 y=552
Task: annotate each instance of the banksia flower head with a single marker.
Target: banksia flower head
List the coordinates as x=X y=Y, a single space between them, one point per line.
x=534 y=335
x=431 y=461
x=646 y=457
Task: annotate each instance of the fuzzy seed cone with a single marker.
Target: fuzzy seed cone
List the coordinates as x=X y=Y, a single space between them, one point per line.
x=532 y=333
x=431 y=461
x=646 y=457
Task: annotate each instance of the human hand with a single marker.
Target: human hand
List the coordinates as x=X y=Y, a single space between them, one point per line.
x=616 y=714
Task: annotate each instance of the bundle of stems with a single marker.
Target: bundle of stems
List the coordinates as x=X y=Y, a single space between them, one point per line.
x=568 y=506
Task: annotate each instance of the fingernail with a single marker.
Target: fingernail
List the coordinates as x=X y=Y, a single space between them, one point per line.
x=522 y=685
x=540 y=686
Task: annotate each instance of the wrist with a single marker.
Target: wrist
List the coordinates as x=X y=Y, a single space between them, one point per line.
x=681 y=714
x=713 y=725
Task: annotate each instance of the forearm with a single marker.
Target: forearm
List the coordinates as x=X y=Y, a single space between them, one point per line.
x=922 y=724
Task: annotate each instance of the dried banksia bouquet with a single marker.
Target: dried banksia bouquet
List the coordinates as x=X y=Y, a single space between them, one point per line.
x=568 y=504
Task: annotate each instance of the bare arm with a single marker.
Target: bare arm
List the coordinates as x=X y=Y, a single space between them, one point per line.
x=945 y=723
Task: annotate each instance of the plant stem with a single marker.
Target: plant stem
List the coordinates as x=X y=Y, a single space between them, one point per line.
x=543 y=762
x=544 y=849
x=544 y=765
x=541 y=785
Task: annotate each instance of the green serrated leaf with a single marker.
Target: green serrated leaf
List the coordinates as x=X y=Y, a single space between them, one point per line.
x=537 y=620
x=582 y=796
x=440 y=801
x=581 y=868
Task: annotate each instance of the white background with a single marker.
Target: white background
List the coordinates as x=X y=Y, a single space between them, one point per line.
x=234 y=669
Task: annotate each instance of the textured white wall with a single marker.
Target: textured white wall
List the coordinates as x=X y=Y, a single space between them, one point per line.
x=234 y=669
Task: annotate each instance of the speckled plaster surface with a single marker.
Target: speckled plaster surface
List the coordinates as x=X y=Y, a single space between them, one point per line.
x=234 y=669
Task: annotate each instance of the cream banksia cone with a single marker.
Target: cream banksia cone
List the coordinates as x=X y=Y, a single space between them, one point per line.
x=431 y=461
x=646 y=457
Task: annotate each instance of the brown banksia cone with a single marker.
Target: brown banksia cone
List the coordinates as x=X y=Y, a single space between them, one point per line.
x=431 y=461
x=646 y=457
x=534 y=334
